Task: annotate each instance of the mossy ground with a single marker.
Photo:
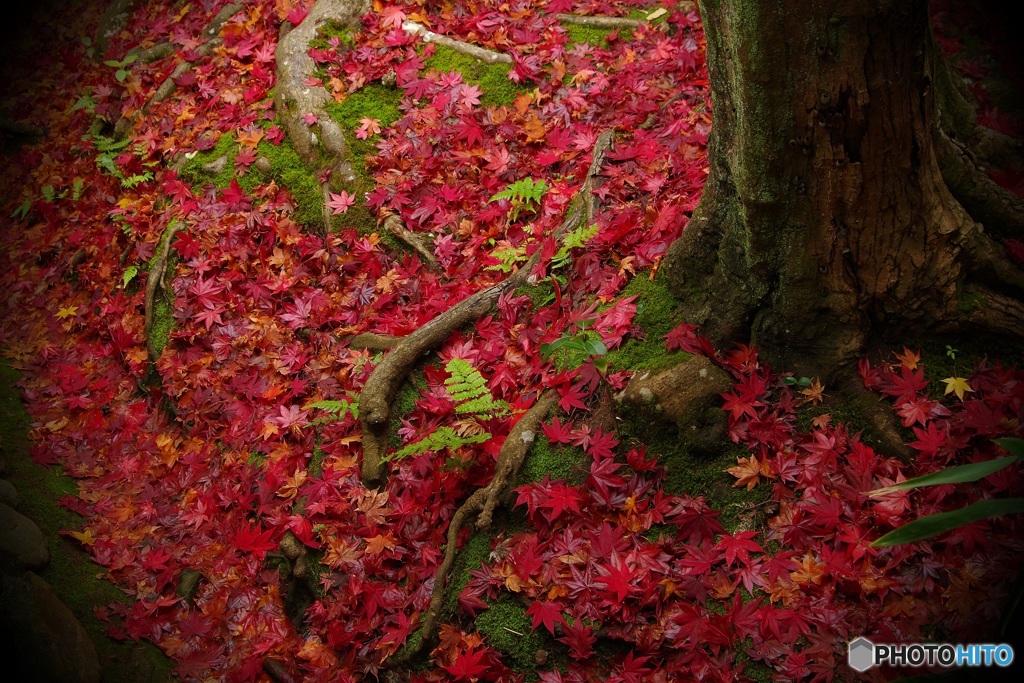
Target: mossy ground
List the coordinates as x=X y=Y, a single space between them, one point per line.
x=656 y=315
x=71 y=572
x=696 y=475
x=578 y=35
x=286 y=169
x=492 y=79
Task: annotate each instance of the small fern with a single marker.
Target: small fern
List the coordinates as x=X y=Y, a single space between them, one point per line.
x=571 y=240
x=437 y=440
x=473 y=399
x=522 y=194
x=336 y=410
x=468 y=389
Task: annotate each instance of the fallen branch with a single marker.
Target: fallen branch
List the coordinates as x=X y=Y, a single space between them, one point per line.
x=475 y=51
x=380 y=389
x=481 y=504
x=156 y=283
x=600 y=22
x=421 y=244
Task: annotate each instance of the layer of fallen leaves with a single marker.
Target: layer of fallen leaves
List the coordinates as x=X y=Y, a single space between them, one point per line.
x=208 y=467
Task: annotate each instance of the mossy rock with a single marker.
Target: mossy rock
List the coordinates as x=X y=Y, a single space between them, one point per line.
x=71 y=573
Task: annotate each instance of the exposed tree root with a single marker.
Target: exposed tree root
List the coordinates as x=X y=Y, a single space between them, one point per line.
x=996 y=312
x=886 y=435
x=420 y=243
x=481 y=504
x=112 y=21
x=475 y=51
x=167 y=87
x=373 y=342
x=600 y=22
x=999 y=211
x=156 y=283
x=321 y=145
x=380 y=389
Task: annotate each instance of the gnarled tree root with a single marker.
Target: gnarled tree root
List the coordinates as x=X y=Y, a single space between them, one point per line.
x=380 y=389
x=420 y=243
x=998 y=210
x=481 y=504
x=156 y=283
x=688 y=395
x=475 y=51
x=321 y=145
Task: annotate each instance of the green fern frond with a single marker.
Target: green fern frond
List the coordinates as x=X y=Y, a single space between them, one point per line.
x=437 y=440
x=468 y=389
x=337 y=409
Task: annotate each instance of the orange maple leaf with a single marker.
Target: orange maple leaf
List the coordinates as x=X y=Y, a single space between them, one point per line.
x=909 y=359
x=749 y=472
x=379 y=543
x=813 y=394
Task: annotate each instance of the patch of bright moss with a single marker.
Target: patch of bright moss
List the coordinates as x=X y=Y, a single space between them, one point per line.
x=71 y=572
x=288 y=170
x=598 y=37
x=554 y=460
x=373 y=101
x=492 y=79
x=507 y=628
x=471 y=556
x=656 y=315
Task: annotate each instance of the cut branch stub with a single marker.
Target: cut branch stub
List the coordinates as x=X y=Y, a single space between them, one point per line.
x=689 y=395
x=322 y=144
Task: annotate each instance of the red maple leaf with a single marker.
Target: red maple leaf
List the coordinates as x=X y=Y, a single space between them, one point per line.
x=547 y=613
x=468 y=665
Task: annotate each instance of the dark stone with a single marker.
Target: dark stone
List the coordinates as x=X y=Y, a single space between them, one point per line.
x=44 y=641
x=22 y=544
x=8 y=494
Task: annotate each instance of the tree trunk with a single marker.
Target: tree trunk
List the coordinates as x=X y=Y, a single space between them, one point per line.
x=825 y=222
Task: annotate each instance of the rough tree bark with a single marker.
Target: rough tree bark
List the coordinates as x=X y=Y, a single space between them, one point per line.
x=827 y=220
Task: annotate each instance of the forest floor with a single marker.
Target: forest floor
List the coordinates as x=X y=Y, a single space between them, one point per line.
x=186 y=313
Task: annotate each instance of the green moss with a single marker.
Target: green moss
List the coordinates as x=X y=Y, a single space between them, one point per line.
x=657 y=313
x=492 y=79
x=373 y=101
x=471 y=556
x=288 y=170
x=692 y=474
x=71 y=572
x=598 y=37
x=507 y=628
x=756 y=671
x=554 y=460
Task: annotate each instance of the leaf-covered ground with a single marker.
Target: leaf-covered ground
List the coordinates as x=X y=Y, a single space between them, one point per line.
x=620 y=557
